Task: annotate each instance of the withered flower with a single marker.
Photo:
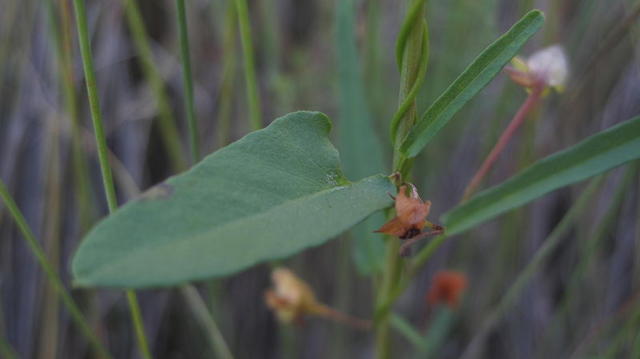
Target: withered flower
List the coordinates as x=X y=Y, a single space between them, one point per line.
x=411 y=214
x=410 y=219
x=292 y=299
x=446 y=288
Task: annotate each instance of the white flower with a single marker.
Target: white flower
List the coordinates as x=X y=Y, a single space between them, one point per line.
x=551 y=65
x=547 y=67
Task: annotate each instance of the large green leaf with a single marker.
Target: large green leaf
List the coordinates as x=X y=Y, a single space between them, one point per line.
x=271 y=194
x=596 y=154
x=474 y=78
x=360 y=148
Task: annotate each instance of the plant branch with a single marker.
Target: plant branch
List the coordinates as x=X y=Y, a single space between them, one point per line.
x=107 y=177
x=51 y=274
x=412 y=56
x=205 y=318
x=253 y=96
x=188 y=80
x=166 y=120
x=530 y=103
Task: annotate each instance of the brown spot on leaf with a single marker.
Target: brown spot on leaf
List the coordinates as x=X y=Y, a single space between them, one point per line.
x=159 y=191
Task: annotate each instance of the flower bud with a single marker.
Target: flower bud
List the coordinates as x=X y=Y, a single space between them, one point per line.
x=547 y=68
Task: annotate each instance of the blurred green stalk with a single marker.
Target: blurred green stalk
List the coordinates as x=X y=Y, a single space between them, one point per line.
x=205 y=319
x=188 y=81
x=107 y=179
x=190 y=293
x=255 y=117
x=51 y=273
x=166 y=120
x=6 y=351
x=228 y=76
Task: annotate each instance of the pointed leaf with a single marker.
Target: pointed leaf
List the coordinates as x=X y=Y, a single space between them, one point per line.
x=271 y=194
x=598 y=153
x=474 y=78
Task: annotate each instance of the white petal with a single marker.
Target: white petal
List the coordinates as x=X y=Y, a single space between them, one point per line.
x=551 y=65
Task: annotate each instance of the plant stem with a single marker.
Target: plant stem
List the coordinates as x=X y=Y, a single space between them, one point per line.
x=107 y=178
x=228 y=76
x=188 y=81
x=166 y=120
x=343 y=318
x=94 y=104
x=138 y=325
x=196 y=303
x=202 y=314
x=6 y=351
x=62 y=34
x=50 y=272
x=528 y=105
x=255 y=117
x=413 y=57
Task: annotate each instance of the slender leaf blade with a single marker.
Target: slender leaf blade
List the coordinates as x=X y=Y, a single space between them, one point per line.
x=360 y=148
x=598 y=153
x=473 y=79
x=411 y=333
x=271 y=194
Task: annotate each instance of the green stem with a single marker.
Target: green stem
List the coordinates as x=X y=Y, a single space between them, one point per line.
x=196 y=303
x=61 y=33
x=50 y=272
x=94 y=104
x=107 y=178
x=228 y=76
x=166 y=120
x=255 y=117
x=413 y=51
x=188 y=81
x=199 y=308
x=138 y=325
x=410 y=97
x=6 y=351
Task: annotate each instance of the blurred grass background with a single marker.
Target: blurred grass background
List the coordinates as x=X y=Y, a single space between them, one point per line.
x=581 y=298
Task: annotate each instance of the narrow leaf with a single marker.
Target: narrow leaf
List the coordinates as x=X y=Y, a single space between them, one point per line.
x=598 y=153
x=474 y=78
x=360 y=149
x=271 y=194
x=412 y=334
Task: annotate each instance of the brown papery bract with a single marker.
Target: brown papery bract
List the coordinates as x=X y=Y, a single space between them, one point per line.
x=411 y=214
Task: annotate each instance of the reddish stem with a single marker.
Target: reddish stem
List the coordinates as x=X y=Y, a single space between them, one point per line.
x=529 y=104
x=343 y=318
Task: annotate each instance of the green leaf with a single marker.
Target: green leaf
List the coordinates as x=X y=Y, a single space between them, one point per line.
x=474 y=78
x=269 y=195
x=411 y=333
x=360 y=149
x=598 y=153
